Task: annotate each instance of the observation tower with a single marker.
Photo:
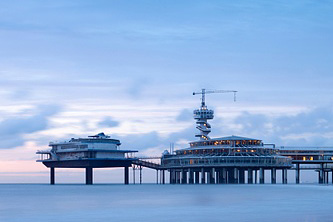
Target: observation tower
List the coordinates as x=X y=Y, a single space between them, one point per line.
x=203 y=114
x=223 y=160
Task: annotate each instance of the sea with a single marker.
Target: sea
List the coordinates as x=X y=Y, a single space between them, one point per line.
x=170 y=203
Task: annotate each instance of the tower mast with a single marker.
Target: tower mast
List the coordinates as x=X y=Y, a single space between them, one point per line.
x=202 y=115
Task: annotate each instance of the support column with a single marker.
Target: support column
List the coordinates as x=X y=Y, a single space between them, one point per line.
x=89 y=175
x=140 y=174
x=172 y=176
x=250 y=176
x=235 y=175
x=261 y=175
x=231 y=175
x=203 y=176
x=133 y=167
x=321 y=174
x=126 y=175
x=52 y=176
x=255 y=176
x=219 y=176
x=224 y=175
x=284 y=176
x=156 y=176
x=197 y=177
x=184 y=176
x=163 y=176
x=273 y=176
x=178 y=179
x=297 y=173
x=212 y=176
x=191 y=175
x=241 y=176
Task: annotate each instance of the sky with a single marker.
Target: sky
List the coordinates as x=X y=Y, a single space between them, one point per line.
x=128 y=68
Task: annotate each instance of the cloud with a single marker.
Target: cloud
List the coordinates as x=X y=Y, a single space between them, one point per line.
x=12 y=130
x=185 y=115
x=309 y=128
x=108 y=122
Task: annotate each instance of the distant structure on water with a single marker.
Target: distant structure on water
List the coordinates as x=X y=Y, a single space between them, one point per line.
x=225 y=160
x=222 y=160
x=97 y=151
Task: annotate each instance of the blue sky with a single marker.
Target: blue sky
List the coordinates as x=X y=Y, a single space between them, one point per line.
x=128 y=68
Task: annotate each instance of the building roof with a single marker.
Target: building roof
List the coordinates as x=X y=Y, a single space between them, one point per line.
x=233 y=138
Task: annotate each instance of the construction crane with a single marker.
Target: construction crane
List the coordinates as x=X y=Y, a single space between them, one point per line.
x=204 y=92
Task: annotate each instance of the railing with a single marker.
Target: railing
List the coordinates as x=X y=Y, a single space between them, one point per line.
x=229 y=161
x=146 y=164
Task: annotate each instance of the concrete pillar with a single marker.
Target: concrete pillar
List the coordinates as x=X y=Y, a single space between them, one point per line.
x=89 y=175
x=178 y=177
x=184 y=176
x=297 y=173
x=173 y=176
x=156 y=176
x=133 y=167
x=163 y=176
x=52 y=176
x=241 y=176
x=190 y=176
x=250 y=176
x=255 y=176
x=224 y=175
x=284 y=176
x=203 y=176
x=273 y=176
x=197 y=177
x=140 y=174
x=126 y=175
x=235 y=175
x=261 y=175
x=212 y=176
x=218 y=176
x=321 y=174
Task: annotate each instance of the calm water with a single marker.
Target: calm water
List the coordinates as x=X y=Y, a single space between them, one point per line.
x=166 y=203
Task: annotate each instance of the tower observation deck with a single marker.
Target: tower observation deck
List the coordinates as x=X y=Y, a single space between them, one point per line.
x=203 y=114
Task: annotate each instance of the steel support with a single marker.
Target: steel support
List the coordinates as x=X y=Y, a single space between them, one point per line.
x=197 y=177
x=89 y=175
x=284 y=176
x=184 y=176
x=203 y=178
x=273 y=176
x=212 y=176
x=241 y=176
x=191 y=176
x=163 y=176
x=52 y=176
x=321 y=174
x=250 y=176
x=261 y=175
x=126 y=175
x=297 y=173
x=224 y=175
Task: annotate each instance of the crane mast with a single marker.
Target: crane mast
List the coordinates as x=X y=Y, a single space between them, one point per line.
x=202 y=115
